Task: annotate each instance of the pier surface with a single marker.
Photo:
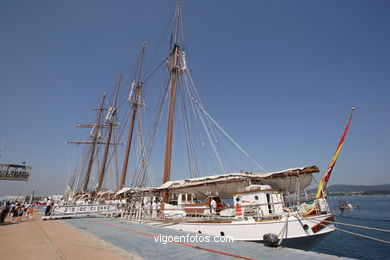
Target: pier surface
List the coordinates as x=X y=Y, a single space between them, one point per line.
x=103 y=238
x=37 y=239
x=140 y=239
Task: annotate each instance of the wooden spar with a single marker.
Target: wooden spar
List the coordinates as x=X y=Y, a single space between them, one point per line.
x=93 y=148
x=168 y=147
x=174 y=75
x=110 y=127
x=136 y=101
x=128 y=146
x=90 y=142
x=91 y=126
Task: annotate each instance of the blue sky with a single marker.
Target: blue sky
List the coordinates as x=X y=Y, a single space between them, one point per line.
x=279 y=76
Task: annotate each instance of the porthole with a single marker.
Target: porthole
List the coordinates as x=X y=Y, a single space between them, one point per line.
x=305 y=227
x=200 y=232
x=222 y=233
x=256 y=197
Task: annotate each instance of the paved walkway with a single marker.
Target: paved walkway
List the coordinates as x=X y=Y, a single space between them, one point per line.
x=140 y=239
x=102 y=238
x=39 y=239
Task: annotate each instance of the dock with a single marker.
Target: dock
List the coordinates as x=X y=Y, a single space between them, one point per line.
x=105 y=238
x=38 y=239
x=143 y=240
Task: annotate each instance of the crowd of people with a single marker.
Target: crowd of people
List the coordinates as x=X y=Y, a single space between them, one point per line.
x=16 y=211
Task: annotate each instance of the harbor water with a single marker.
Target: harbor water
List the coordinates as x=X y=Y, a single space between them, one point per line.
x=374 y=211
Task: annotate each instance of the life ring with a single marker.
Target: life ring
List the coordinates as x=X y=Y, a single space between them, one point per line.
x=238 y=209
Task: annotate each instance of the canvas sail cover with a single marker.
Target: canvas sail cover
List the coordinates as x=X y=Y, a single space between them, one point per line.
x=225 y=184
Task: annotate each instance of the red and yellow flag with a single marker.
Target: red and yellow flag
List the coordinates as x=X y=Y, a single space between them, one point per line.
x=324 y=180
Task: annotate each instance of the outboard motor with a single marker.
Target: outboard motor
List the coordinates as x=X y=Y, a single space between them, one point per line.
x=271 y=239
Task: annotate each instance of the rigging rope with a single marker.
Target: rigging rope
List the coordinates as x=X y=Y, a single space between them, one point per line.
x=221 y=129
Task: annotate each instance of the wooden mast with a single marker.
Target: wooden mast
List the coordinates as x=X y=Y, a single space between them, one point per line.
x=111 y=119
x=135 y=105
x=174 y=74
x=94 y=142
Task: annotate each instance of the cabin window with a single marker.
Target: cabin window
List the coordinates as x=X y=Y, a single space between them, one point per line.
x=256 y=197
x=305 y=227
x=200 y=232
x=222 y=233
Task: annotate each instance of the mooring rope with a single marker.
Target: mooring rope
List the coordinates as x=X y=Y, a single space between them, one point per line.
x=357 y=226
x=349 y=232
x=283 y=231
x=364 y=236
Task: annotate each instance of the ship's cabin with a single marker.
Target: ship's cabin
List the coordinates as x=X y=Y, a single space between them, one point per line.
x=254 y=201
x=259 y=201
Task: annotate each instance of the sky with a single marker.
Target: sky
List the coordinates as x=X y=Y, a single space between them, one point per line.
x=279 y=76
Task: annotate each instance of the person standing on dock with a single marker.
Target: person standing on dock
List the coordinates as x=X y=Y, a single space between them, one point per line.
x=48 y=207
x=15 y=213
x=30 y=212
x=20 y=214
x=4 y=211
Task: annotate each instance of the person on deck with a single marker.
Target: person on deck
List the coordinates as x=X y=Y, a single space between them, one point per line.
x=213 y=206
x=154 y=209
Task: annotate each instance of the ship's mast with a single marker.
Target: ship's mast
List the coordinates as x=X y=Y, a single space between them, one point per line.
x=174 y=75
x=135 y=104
x=111 y=121
x=95 y=137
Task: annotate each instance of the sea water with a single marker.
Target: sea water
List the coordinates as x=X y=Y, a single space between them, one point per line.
x=373 y=211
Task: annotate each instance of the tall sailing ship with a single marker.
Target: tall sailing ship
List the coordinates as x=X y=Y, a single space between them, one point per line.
x=244 y=205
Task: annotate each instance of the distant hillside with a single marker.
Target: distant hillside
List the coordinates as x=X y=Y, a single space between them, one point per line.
x=354 y=188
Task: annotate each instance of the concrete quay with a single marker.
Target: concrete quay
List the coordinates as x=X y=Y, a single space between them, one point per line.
x=104 y=238
x=37 y=239
x=143 y=240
